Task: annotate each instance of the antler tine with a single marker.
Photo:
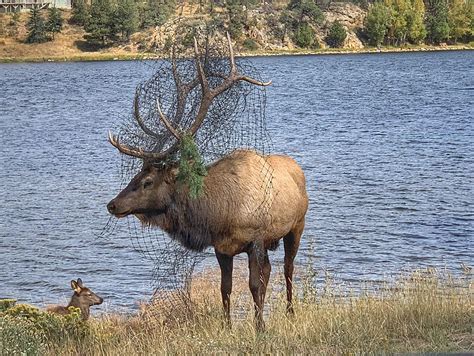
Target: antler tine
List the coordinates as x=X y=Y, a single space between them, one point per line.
x=254 y=81
x=174 y=68
x=166 y=122
x=233 y=68
x=200 y=69
x=135 y=152
x=139 y=119
x=209 y=94
x=182 y=89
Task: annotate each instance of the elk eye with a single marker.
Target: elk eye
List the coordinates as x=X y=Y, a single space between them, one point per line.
x=147 y=183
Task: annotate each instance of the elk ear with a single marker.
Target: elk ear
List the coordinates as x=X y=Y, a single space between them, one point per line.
x=171 y=175
x=79 y=283
x=75 y=286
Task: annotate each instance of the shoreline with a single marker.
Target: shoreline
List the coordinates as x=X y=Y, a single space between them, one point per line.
x=106 y=56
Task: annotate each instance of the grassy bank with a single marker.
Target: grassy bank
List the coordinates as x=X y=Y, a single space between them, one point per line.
x=119 y=55
x=422 y=312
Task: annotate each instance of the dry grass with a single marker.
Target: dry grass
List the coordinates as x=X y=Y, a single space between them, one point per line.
x=67 y=45
x=420 y=313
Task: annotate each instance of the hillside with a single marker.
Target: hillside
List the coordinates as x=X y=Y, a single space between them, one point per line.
x=264 y=34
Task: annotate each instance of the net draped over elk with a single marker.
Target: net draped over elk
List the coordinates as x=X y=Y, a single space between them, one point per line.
x=242 y=200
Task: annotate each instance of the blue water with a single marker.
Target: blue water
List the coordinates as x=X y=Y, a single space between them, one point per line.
x=386 y=142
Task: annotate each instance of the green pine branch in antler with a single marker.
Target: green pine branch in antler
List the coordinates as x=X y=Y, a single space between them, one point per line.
x=191 y=168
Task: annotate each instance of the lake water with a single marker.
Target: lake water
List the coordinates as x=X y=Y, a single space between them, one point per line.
x=386 y=142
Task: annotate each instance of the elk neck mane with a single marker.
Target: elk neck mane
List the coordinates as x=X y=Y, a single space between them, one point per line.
x=198 y=223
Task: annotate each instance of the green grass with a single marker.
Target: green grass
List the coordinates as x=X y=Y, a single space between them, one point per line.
x=422 y=312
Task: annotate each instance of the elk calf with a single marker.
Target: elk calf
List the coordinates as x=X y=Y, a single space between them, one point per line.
x=83 y=298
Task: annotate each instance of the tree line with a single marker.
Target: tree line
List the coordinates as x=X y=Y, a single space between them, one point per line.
x=398 y=22
x=388 y=22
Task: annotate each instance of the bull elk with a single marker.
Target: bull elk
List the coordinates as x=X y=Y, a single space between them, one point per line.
x=223 y=216
x=83 y=298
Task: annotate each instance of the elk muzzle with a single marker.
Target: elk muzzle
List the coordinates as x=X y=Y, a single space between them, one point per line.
x=111 y=207
x=115 y=210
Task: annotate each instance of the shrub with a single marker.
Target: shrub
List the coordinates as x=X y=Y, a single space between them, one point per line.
x=18 y=338
x=304 y=36
x=337 y=35
x=6 y=304
x=27 y=330
x=250 y=44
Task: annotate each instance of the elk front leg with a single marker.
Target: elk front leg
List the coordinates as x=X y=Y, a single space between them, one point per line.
x=226 y=264
x=259 y=273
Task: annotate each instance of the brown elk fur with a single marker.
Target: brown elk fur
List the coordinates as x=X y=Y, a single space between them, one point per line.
x=83 y=298
x=228 y=216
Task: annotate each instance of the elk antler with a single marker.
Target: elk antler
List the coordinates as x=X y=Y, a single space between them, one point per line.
x=207 y=96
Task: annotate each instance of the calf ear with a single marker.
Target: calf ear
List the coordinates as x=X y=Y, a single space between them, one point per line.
x=75 y=286
x=79 y=283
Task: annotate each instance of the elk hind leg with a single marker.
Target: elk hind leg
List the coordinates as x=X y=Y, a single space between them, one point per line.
x=226 y=264
x=291 y=243
x=259 y=274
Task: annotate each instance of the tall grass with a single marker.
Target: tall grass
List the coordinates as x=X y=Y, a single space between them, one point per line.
x=421 y=312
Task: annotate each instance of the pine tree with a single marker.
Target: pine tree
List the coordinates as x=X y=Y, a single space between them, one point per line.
x=80 y=13
x=156 y=12
x=125 y=18
x=99 y=24
x=306 y=10
x=437 y=20
x=55 y=21
x=36 y=28
x=304 y=35
x=337 y=35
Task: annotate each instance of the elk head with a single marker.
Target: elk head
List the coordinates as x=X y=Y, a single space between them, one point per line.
x=83 y=296
x=150 y=192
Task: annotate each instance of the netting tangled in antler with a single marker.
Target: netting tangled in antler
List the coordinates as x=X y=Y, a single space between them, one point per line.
x=169 y=104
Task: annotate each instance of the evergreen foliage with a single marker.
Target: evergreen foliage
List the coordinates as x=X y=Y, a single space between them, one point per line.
x=192 y=170
x=337 y=35
x=80 y=13
x=250 y=44
x=156 y=12
x=55 y=21
x=36 y=28
x=298 y=18
x=237 y=12
x=99 y=24
x=437 y=21
x=306 y=10
x=304 y=35
x=125 y=18
x=391 y=22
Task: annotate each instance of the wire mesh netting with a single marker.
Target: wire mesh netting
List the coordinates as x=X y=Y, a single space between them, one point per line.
x=235 y=121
